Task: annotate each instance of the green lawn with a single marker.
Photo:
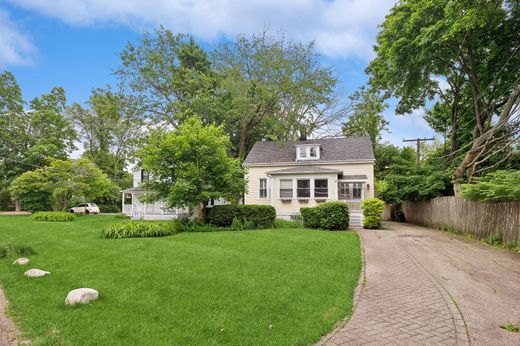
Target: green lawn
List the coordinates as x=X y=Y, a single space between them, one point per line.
x=269 y=287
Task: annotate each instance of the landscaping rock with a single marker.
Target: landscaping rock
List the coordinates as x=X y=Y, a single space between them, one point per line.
x=81 y=296
x=21 y=261
x=36 y=273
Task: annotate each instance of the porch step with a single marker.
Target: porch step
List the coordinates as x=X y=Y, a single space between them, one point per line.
x=356 y=220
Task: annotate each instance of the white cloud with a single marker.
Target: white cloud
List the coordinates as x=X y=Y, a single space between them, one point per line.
x=341 y=28
x=15 y=47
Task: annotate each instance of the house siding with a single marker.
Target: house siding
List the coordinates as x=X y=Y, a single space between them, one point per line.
x=255 y=173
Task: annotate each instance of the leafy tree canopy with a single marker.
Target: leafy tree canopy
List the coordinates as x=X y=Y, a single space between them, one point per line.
x=28 y=137
x=499 y=186
x=62 y=184
x=366 y=118
x=191 y=165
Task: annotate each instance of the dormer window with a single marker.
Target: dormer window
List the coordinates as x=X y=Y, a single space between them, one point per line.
x=308 y=152
x=302 y=152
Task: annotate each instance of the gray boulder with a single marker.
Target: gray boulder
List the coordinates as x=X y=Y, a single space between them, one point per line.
x=81 y=296
x=35 y=273
x=21 y=261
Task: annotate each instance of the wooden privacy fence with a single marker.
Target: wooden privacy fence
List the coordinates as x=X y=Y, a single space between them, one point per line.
x=464 y=216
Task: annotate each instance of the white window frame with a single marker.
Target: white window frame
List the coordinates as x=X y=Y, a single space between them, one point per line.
x=260 y=188
x=306 y=151
x=280 y=189
x=327 y=187
x=310 y=188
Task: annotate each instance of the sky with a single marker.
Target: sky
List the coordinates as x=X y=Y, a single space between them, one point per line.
x=75 y=43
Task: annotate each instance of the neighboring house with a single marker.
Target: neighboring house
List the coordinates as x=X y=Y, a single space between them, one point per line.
x=137 y=209
x=291 y=175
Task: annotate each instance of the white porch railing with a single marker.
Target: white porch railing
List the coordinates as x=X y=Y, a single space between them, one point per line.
x=127 y=209
x=354 y=206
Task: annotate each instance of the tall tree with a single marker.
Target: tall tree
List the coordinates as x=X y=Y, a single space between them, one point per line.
x=110 y=130
x=366 y=115
x=29 y=137
x=168 y=75
x=275 y=86
x=191 y=165
x=476 y=41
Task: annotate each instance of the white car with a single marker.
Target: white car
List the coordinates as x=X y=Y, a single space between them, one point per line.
x=87 y=208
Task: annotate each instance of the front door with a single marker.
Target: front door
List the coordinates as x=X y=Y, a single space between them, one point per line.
x=349 y=191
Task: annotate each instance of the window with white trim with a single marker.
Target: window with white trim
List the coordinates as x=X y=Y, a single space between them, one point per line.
x=302 y=152
x=303 y=188
x=262 y=193
x=308 y=152
x=321 y=188
x=286 y=188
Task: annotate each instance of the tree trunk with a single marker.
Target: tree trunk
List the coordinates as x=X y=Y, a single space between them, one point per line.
x=479 y=142
x=198 y=213
x=244 y=134
x=18 y=205
x=454 y=125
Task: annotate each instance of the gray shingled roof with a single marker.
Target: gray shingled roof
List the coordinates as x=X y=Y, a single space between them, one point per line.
x=305 y=170
x=350 y=149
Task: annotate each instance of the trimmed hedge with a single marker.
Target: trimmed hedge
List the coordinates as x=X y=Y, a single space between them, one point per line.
x=139 y=229
x=261 y=216
x=310 y=217
x=53 y=216
x=372 y=222
x=328 y=215
x=372 y=210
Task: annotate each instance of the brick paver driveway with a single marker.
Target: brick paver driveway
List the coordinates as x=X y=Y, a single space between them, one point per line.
x=424 y=287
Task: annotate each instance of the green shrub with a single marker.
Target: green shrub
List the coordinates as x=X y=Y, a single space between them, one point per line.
x=333 y=215
x=499 y=186
x=53 y=216
x=372 y=222
x=261 y=216
x=187 y=225
x=494 y=239
x=278 y=223
x=328 y=215
x=309 y=217
x=238 y=225
x=373 y=207
x=139 y=229
x=372 y=210
x=10 y=249
x=108 y=208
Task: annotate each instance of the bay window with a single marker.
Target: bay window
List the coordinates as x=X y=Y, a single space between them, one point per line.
x=303 y=188
x=321 y=188
x=286 y=188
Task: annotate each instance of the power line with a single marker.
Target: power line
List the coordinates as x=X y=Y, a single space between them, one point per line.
x=418 y=144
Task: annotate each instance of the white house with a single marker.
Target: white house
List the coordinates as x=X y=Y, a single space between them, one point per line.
x=133 y=206
x=291 y=175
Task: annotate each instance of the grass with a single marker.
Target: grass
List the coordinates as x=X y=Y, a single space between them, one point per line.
x=262 y=287
x=510 y=328
x=279 y=223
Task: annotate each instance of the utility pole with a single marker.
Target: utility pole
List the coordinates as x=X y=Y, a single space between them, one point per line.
x=418 y=143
